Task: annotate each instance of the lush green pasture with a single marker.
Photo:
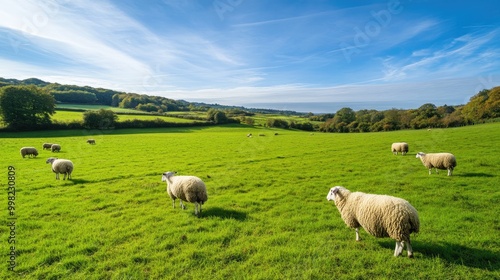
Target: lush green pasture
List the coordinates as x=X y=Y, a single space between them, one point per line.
x=67 y=116
x=95 y=107
x=266 y=217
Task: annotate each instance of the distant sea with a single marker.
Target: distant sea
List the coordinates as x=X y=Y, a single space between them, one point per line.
x=332 y=107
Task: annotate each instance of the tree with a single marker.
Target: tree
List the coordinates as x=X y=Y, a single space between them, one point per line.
x=25 y=107
x=102 y=119
x=346 y=115
x=216 y=116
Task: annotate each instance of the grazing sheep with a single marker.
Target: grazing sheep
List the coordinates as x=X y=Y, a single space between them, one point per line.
x=91 y=141
x=399 y=147
x=186 y=188
x=249 y=135
x=28 y=151
x=55 y=148
x=47 y=146
x=379 y=215
x=64 y=166
x=438 y=161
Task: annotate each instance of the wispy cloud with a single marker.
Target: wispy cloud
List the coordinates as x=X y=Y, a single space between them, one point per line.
x=460 y=56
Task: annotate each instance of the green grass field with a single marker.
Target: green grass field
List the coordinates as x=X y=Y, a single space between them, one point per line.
x=95 y=107
x=68 y=116
x=267 y=216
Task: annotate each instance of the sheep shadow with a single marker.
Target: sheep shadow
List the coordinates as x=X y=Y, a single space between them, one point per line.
x=475 y=175
x=224 y=213
x=78 y=181
x=454 y=254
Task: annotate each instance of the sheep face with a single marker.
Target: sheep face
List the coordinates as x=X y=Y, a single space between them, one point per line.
x=333 y=192
x=419 y=155
x=166 y=175
x=50 y=160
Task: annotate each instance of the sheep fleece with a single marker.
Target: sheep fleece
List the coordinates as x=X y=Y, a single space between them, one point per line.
x=399 y=147
x=439 y=160
x=187 y=188
x=379 y=215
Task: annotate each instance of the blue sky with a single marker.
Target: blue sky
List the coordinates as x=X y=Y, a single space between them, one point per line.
x=300 y=55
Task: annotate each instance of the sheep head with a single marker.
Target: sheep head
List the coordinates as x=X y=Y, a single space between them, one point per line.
x=50 y=160
x=167 y=175
x=333 y=192
x=420 y=154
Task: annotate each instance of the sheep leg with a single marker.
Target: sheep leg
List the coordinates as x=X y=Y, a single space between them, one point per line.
x=64 y=177
x=409 y=249
x=450 y=171
x=357 y=235
x=430 y=171
x=196 y=212
x=182 y=204
x=399 y=248
x=173 y=203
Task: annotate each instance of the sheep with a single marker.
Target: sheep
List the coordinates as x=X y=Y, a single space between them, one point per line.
x=186 y=188
x=91 y=141
x=64 y=166
x=55 y=147
x=399 y=147
x=47 y=146
x=438 y=161
x=379 y=215
x=29 y=151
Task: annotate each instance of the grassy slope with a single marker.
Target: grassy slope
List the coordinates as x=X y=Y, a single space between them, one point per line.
x=95 y=107
x=266 y=217
x=66 y=116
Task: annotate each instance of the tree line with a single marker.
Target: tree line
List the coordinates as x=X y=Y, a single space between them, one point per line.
x=146 y=103
x=25 y=107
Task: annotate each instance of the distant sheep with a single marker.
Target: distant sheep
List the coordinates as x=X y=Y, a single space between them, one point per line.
x=186 y=188
x=91 y=141
x=399 y=147
x=63 y=166
x=249 y=135
x=47 y=146
x=379 y=215
x=55 y=148
x=438 y=161
x=29 y=151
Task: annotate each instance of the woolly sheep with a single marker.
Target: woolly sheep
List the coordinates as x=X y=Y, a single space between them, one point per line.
x=438 y=161
x=28 y=151
x=399 y=147
x=91 y=141
x=186 y=188
x=379 y=215
x=64 y=166
x=47 y=146
x=55 y=147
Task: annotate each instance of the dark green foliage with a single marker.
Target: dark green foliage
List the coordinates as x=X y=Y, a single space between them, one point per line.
x=101 y=119
x=74 y=96
x=216 y=116
x=25 y=107
x=277 y=123
x=483 y=105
